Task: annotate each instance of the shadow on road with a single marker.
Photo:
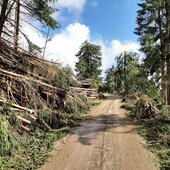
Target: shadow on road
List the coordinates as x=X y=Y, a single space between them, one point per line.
x=94 y=125
x=112 y=97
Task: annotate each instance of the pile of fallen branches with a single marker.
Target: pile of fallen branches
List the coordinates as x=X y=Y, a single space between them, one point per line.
x=146 y=108
x=88 y=92
x=28 y=86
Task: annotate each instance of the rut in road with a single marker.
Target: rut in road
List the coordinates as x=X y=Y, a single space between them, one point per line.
x=107 y=140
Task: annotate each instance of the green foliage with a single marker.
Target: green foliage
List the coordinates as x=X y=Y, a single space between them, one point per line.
x=89 y=61
x=155 y=130
x=153 y=31
x=22 y=151
x=6 y=138
x=28 y=150
x=109 y=81
x=31 y=151
x=33 y=48
x=129 y=77
x=41 y=10
x=64 y=78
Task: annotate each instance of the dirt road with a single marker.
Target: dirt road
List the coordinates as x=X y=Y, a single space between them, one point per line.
x=107 y=140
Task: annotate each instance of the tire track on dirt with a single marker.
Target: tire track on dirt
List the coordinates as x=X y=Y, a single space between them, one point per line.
x=106 y=140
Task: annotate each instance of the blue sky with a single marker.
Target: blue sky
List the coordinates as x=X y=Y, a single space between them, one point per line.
x=110 y=19
x=108 y=23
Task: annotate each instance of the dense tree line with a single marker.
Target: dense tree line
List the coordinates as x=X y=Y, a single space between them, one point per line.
x=128 y=77
x=153 y=29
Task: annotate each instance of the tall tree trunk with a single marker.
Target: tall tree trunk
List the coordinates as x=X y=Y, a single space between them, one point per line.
x=126 y=86
x=3 y=15
x=168 y=49
x=16 y=29
x=46 y=42
x=168 y=79
x=163 y=56
x=164 y=83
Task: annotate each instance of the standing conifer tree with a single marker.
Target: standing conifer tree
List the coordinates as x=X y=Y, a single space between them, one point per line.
x=153 y=31
x=168 y=49
x=89 y=61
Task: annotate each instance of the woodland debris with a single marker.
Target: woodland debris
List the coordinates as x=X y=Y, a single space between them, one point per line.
x=90 y=93
x=25 y=128
x=29 y=85
x=17 y=106
x=23 y=120
x=146 y=108
x=24 y=78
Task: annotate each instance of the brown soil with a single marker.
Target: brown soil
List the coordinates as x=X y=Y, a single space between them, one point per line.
x=107 y=140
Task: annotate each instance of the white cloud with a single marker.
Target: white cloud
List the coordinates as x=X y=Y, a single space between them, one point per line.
x=72 y=5
x=66 y=44
x=115 y=48
x=94 y=4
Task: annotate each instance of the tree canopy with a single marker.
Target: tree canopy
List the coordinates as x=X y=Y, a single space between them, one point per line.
x=152 y=21
x=128 y=76
x=89 y=61
x=15 y=11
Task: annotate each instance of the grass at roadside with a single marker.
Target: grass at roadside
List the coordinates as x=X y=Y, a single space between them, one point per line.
x=22 y=151
x=156 y=132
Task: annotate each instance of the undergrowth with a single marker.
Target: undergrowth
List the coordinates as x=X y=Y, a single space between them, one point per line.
x=29 y=151
x=37 y=106
x=156 y=132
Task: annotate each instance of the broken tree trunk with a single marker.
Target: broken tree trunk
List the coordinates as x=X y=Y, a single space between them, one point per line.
x=23 y=120
x=3 y=14
x=2 y=100
x=16 y=27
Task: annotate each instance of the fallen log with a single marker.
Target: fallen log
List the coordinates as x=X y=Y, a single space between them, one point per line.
x=23 y=120
x=25 y=128
x=20 y=68
x=21 y=111
x=146 y=108
x=24 y=78
x=86 y=92
x=81 y=89
x=2 y=100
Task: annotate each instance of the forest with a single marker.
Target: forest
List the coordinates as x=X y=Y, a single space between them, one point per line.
x=41 y=100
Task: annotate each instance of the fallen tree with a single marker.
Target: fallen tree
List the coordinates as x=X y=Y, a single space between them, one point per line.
x=28 y=85
x=146 y=108
x=24 y=78
x=88 y=92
